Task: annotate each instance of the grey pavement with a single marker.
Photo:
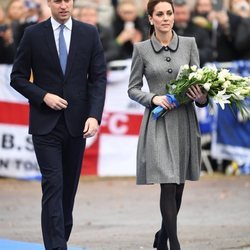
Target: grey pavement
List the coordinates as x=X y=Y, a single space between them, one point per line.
x=116 y=214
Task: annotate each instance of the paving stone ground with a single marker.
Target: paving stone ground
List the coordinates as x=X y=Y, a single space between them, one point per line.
x=116 y=214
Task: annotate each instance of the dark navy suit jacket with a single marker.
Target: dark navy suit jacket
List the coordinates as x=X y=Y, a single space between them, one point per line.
x=83 y=85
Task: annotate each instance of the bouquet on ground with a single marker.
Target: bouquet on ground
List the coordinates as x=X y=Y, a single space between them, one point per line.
x=221 y=86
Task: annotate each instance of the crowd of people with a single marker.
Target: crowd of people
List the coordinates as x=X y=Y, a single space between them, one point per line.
x=221 y=30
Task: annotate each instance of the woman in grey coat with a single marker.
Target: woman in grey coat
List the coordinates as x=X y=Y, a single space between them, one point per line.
x=168 y=150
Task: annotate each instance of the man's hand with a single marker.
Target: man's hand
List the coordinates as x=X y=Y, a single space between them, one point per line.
x=91 y=127
x=55 y=102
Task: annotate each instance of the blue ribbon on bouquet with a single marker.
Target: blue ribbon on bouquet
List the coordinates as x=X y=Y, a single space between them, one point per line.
x=159 y=110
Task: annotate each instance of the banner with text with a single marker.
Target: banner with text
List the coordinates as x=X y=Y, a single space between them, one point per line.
x=111 y=153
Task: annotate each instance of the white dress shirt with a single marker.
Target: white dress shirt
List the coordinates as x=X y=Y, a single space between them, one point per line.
x=66 y=32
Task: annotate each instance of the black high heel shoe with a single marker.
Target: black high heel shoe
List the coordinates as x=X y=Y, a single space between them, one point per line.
x=155 y=244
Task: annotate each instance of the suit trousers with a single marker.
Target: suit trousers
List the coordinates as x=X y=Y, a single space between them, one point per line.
x=59 y=156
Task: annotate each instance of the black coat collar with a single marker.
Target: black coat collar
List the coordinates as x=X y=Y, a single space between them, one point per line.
x=157 y=46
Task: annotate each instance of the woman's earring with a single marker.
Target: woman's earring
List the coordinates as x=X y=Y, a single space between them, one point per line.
x=151 y=23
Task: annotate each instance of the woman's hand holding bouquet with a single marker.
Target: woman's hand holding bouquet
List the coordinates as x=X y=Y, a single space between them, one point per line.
x=197 y=84
x=164 y=102
x=196 y=94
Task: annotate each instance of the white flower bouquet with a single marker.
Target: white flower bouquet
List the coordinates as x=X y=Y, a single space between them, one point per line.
x=222 y=87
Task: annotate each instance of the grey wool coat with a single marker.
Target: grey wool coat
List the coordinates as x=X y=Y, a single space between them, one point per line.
x=169 y=149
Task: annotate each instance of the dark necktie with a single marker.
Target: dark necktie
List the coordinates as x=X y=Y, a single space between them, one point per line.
x=62 y=49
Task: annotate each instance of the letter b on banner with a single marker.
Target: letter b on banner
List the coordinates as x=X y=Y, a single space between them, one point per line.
x=7 y=141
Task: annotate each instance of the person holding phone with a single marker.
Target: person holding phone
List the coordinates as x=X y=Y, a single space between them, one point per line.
x=128 y=28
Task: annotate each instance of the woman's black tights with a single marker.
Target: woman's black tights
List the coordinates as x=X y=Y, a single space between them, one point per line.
x=170 y=202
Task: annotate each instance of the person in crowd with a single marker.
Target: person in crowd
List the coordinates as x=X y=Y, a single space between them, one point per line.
x=22 y=13
x=183 y=25
x=66 y=103
x=105 y=12
x=88 y=14
x=105 y=9
x=240 y=8
x=75 y=13
x=128 y=28
x=223 y=26
x=15 y=12
x=242 y=40
x=168 y=150
x=6 y=40
x=44 y=13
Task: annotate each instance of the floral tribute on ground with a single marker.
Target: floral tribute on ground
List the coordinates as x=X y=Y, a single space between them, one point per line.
x=222 y=87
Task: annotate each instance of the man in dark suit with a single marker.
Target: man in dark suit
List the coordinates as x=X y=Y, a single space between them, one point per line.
x=66 y=103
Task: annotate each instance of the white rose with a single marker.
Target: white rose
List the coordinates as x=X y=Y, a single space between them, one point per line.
x=207 y=86
x=200 y=71
x=193 y=68
x=192 y=75
x=185 y=66
x=224 y=73
x=198 y=76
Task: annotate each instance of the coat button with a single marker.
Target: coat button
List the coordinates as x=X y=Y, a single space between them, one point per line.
x=170 y=71
x=168 y=59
